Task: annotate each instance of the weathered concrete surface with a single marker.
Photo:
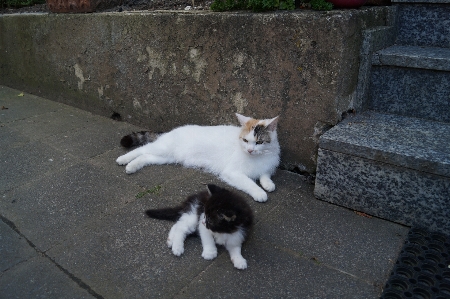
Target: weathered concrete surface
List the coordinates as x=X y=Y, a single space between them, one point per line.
x=164 y=69
x=72 y=223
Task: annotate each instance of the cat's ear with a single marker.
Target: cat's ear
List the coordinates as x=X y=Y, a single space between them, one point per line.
x=242 y=119
x=272 y=124
x=213 y=189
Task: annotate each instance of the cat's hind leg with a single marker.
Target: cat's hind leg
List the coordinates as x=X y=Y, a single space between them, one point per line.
x=186 y=225
x=144 y=160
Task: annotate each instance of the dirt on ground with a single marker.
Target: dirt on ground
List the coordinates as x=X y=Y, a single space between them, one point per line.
x=126 y=5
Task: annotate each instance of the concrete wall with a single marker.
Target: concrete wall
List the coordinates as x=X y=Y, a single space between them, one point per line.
x=165 y=69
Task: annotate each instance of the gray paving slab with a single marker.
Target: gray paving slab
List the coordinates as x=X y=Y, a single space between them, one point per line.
x=96 y=138
x=38 y=277
x=148 y=177
x=77 y=229
x=126 y=256
x=275 y=273
x=339 y=238
x=14 y=249
x=52 y=208
x=16 y=105
x=22 y=164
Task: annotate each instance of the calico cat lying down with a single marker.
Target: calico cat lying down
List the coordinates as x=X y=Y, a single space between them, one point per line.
x=237 y=155
x=218 y=215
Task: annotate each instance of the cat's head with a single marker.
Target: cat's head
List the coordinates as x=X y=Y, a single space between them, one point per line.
x=226 y=211
x=257 y=136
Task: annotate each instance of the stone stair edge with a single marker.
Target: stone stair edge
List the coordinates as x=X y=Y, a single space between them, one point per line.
x=351 y=137
x=433 y=58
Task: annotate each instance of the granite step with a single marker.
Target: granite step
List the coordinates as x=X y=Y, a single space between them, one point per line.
x=389 y=166
x=424 y=23
x=411 y=81
x=431 y=58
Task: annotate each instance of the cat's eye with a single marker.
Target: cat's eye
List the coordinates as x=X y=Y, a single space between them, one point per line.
x=245 y=140
x=259 y=142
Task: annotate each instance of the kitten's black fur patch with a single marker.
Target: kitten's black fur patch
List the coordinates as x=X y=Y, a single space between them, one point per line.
x=225 y=211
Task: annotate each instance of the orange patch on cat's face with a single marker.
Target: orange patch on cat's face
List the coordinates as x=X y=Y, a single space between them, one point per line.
x=249 y=126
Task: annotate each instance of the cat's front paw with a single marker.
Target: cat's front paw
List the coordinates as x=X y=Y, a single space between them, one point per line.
x=268 y=185
x=239 y=263
x=259 y=195
x=122 y=160
x=131 y=168
x=177 y=249
x=209 y=254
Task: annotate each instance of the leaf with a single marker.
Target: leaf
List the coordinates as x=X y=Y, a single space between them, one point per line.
x=20 y=94
x=4 y=108
x=362 y=214
x=154 y=190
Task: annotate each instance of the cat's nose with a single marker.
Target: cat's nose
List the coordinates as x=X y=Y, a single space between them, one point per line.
x=250 y=151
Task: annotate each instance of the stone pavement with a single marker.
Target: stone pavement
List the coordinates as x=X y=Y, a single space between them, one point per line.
x=72 y=223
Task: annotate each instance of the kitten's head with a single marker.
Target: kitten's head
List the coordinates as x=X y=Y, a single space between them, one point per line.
x=226 y=211
x=257 y=136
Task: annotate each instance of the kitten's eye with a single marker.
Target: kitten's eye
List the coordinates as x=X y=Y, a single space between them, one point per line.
x=259 y=142
x=245 y=140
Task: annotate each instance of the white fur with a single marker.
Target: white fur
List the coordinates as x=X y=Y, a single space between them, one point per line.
x=189 y=222
x=186 y=225
x=216 y=149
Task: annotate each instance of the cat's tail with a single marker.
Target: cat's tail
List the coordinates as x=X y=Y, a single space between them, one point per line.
x=138 y=138
x=171 y=214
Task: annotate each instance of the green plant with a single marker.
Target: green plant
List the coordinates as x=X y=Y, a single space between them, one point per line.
x=224 y=5
x=287 y=5
x=262 y=5
x=321 y=5
x=19 y=3
x=254 y=5
x=154 y=190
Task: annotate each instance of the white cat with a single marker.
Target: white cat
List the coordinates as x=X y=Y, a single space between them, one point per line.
x=237 y=155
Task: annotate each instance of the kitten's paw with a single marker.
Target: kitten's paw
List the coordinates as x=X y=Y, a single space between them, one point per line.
x=268 y=185
x=122 y=160
x=131 y=168
x=177 y=250
x=169 y=242
x=209 y=254
x=239 y=263
x=259 y=195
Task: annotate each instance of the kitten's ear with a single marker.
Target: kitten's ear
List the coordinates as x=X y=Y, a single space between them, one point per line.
x=272 y=124
x=213 y=189
x=242 y=119
x=227 y=218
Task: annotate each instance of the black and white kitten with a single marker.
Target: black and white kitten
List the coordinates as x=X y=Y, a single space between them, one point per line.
x=219 y=215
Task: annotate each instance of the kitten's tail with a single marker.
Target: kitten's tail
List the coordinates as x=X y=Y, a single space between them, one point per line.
x=138 y=138
x=171 y=214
